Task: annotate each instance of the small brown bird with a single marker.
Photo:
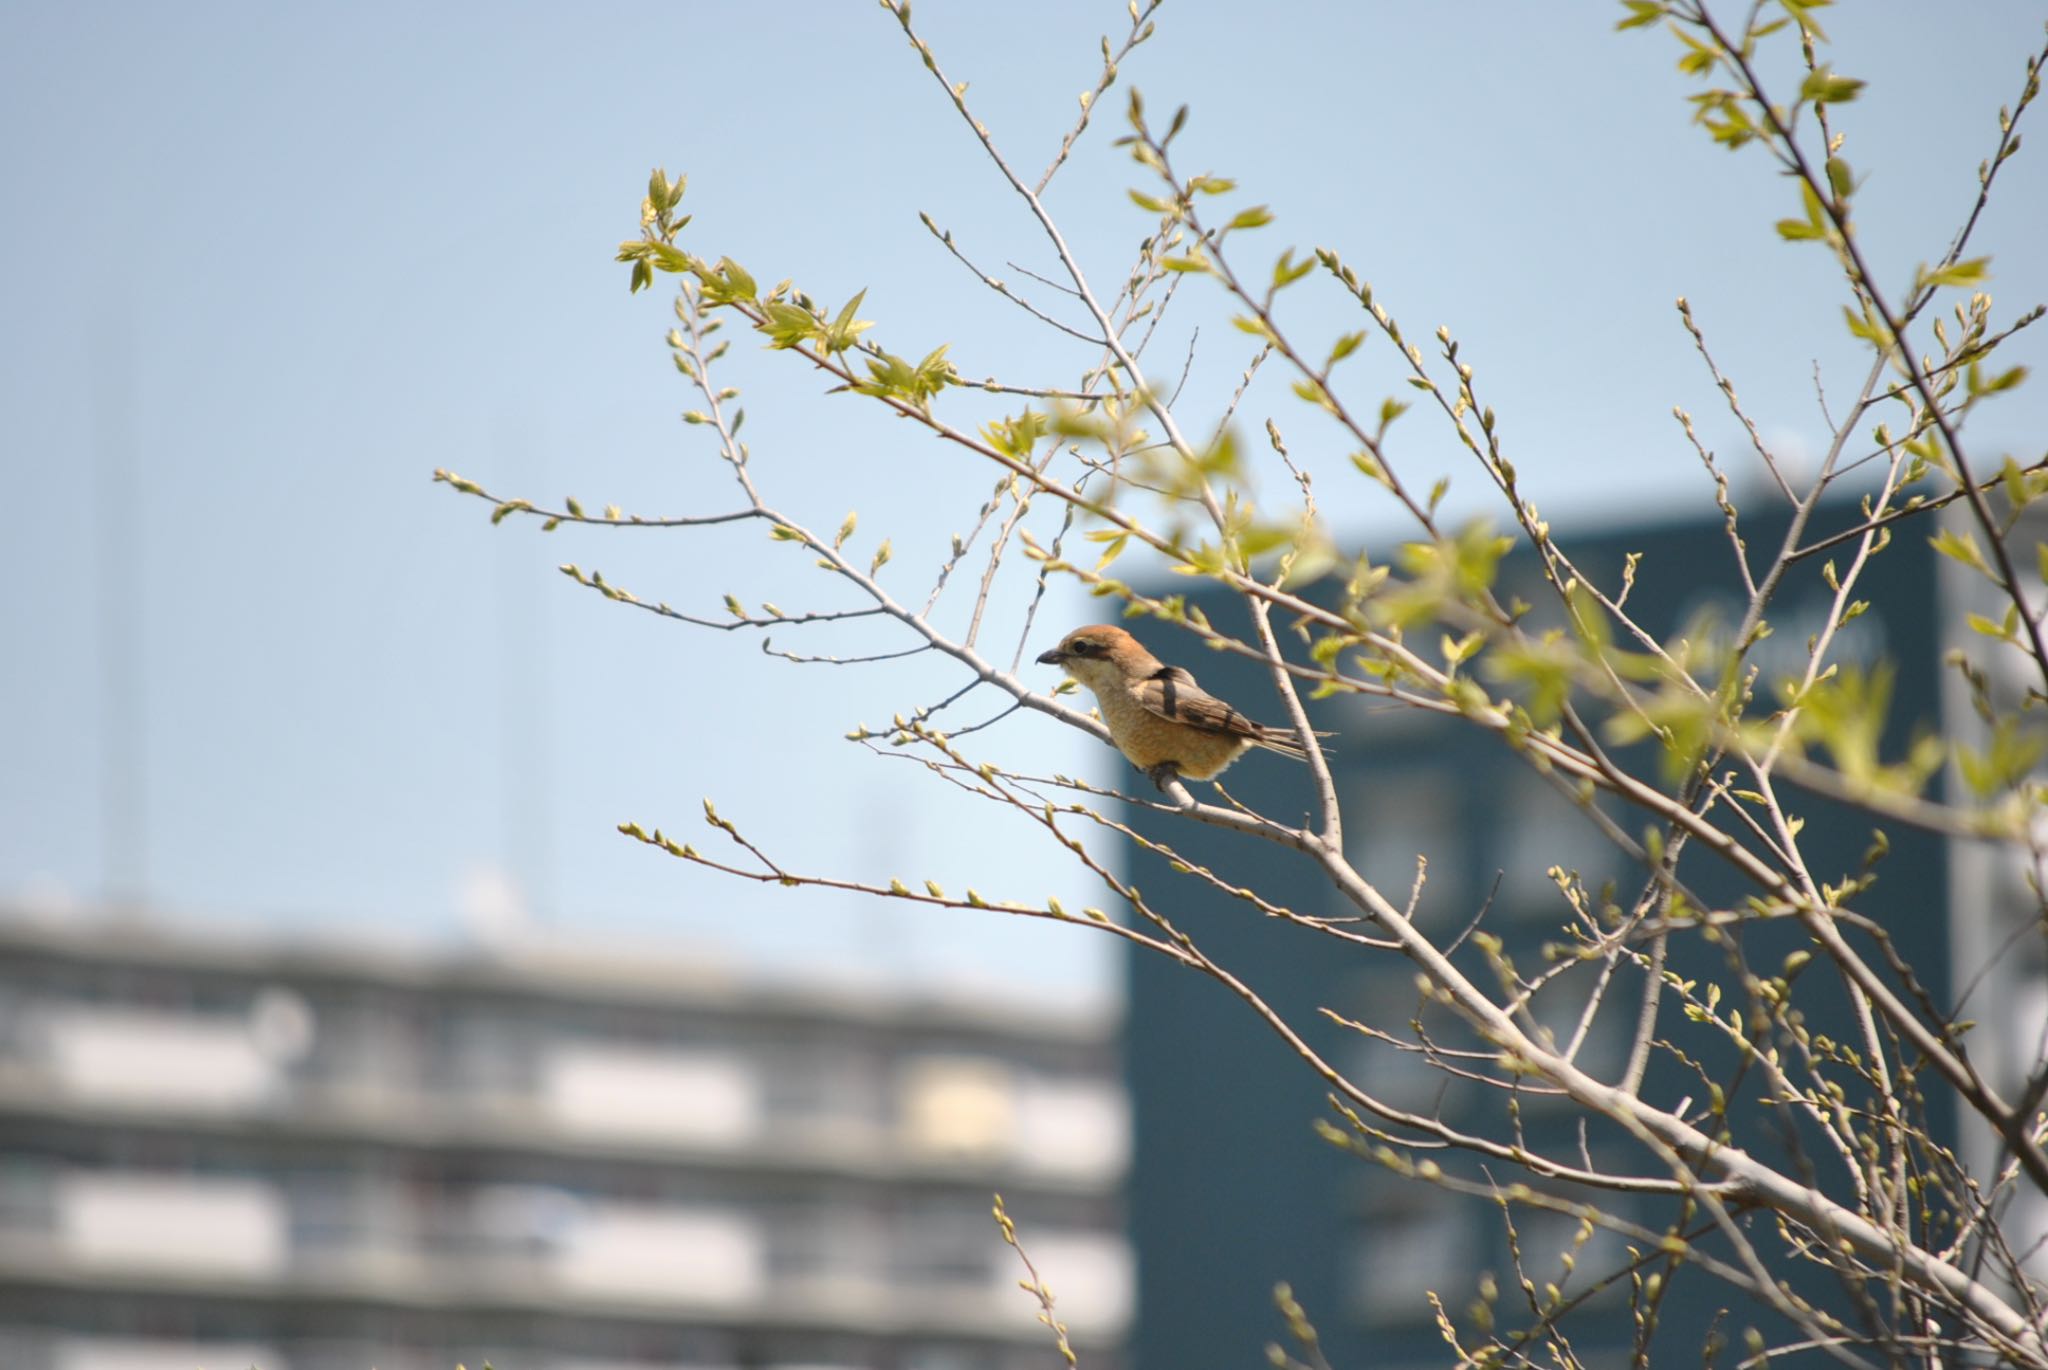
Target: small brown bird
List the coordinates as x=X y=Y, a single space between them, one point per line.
x=1156 y=714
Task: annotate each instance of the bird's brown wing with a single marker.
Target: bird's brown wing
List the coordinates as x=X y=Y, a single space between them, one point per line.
x=1173 y=694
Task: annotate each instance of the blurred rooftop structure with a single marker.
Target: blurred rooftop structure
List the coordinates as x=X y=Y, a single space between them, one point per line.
x=232 y=1152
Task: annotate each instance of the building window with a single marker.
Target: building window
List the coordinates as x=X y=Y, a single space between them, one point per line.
x=186 y=1222
x=1090 y=1274
x=1537 y=828
x=664 y=1255
x=1394 y=817
x=825 y=1092
x=945 y=1242
x=831 y=1244
x=651 y=1093
x=150 y=1057
x=957 y=1106
x=132 y=1353
x=1416 y=1244
x=1073 y=1127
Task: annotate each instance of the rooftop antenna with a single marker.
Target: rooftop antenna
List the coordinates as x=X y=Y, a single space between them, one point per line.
x=523 y=700
x=124 y=871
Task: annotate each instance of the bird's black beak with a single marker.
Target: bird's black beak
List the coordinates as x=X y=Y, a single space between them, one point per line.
x=1051 y=657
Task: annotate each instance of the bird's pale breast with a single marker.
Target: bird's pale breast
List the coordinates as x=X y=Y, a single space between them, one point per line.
x=1149 y=740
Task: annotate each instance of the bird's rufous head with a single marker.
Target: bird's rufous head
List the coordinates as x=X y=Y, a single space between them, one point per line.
x=1099 y=650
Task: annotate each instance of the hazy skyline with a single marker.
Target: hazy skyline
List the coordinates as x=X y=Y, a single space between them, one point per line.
x=281 y=263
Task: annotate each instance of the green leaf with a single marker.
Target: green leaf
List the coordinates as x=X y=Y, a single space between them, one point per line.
x=1699 y=57
x=846 y=328
x=1287 y=271
x=1641 y=13
x=1258 y=216
x=1961 y=547
x=2011 y=755
x=1969 y=271
x=1981 y=624
x=788 y=325
x=1588 y=615
x=1840 y=181
x=1981 y=385
x=1223 y=459
x=2016 y=484
x=1866 y=327
x=1457 y=651
x=1824 y=86
x=669 y=257
x=1801 y=12
x=726 y=283
x=934 y=373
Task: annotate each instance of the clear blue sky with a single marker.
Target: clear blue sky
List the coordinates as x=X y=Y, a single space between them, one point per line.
x=286 y=260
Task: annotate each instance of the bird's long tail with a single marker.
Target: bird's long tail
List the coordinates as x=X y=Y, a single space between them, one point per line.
x=1285 y=741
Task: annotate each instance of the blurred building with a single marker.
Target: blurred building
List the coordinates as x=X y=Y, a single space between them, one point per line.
x=226 y=1155
x=1231 y=1191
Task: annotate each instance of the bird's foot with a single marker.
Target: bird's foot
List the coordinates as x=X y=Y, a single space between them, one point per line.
x=1163 y=772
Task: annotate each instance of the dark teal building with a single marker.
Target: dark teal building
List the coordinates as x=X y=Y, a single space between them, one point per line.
x=1232 y=1191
